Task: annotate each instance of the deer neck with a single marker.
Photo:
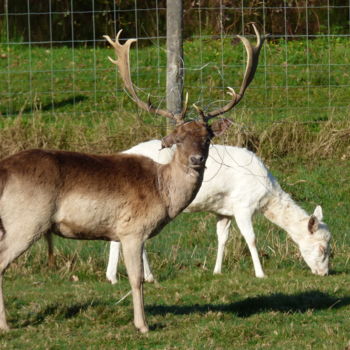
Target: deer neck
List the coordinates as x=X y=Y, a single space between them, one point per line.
x=284 y=212
x=178 y=184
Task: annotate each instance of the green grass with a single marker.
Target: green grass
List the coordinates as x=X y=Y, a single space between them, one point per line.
x=195 y=311
x=189 y=308
x=312 y=86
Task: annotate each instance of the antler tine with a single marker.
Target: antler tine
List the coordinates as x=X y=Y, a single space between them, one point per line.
x=200 y=112
x=123 y=62
x=253 y=58
x=252 y=63
x=181 y=116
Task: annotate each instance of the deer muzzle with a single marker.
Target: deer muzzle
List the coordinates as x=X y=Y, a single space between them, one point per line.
x=196 y=161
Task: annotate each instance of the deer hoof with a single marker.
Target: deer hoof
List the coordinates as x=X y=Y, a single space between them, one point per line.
x=113 y=280
x=4 y=328
x=143 y=329
x=149 y=279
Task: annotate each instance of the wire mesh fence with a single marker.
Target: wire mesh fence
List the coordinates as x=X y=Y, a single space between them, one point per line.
x=53 y=58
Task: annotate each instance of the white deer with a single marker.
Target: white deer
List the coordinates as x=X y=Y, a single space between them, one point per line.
x=237 y=184
x=121 y=197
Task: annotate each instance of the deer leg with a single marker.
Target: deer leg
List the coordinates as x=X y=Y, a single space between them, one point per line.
x=132 y=250
x=3 y=323
x=148 y=276
x=51 y=256
x=10 y=249
x=222 y=230
x=112 y=267
x=244 y=223
x=114 y=251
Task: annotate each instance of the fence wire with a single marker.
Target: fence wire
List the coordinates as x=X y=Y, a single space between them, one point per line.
x=53 y=56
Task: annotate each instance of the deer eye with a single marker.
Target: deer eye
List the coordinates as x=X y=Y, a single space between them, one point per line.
x=178 y=140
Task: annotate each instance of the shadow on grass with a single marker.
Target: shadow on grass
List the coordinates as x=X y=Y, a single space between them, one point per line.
x=59 y=311
x=68 y=101
x=51 y=106
x=298 y=303
x=289 y=304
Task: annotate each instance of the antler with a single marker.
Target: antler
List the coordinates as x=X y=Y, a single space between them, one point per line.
x=123 y=63
x=252 y=63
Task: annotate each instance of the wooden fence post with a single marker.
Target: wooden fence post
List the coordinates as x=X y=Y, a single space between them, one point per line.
x=174 y=81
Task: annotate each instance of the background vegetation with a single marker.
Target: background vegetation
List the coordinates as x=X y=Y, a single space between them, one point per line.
x=295 y=115
x=299 y=108
x=91 y=19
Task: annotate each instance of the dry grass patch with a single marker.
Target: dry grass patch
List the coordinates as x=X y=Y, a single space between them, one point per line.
x=111 y=133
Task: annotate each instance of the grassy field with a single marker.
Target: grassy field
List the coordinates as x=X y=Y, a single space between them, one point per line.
x=298 y=79
x=73 y=307
x=189 y=308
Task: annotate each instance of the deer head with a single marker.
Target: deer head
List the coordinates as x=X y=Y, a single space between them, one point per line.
x=193 y=137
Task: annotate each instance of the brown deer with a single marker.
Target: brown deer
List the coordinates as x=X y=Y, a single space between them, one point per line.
x=121 y=197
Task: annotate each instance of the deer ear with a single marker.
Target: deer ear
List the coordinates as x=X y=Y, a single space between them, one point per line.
x=315 y=218
x=318 y=213
x=168 y=141
x=220 y=126
x=313 y=224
